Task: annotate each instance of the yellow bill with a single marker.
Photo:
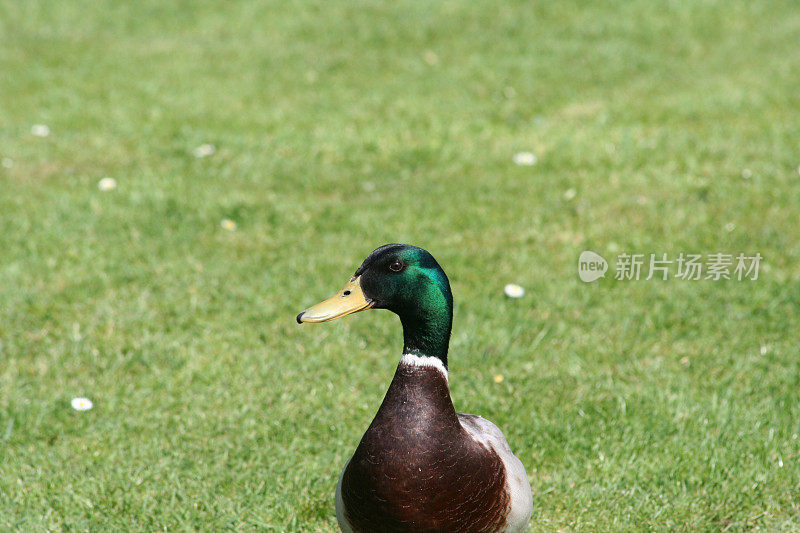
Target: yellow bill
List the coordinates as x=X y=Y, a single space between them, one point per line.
x=348 y=300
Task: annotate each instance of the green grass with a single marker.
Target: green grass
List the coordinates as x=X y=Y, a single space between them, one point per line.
x=340 y=126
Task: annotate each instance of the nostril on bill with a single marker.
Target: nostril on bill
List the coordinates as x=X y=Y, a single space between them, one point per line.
x=346 y=293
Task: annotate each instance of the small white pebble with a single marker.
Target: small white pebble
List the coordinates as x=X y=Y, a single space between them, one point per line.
x=570 y=194
x=82 y=404
x=763 y=350
x=204 y=150
x=7 y=162
x=513 y=290
x=228 y=224
x=525 y=159
x=730 y=226
x=747 y=174
x=40 y=130
x=107 y=184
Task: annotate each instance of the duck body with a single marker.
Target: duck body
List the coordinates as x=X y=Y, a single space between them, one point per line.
x=421 y=466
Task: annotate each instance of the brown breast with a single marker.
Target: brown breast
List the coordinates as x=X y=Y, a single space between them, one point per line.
x=416 y=469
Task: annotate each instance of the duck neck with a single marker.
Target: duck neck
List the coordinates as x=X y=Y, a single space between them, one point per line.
x=426 y=332
x=419 y=394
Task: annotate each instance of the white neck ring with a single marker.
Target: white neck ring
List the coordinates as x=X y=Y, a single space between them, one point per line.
x=412 y=359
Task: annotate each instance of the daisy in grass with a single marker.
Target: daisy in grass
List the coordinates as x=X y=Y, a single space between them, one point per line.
x=82 y=404
x=513 y=290
x=524 y=159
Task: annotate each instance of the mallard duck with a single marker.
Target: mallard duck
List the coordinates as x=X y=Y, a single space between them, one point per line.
x=421 y=466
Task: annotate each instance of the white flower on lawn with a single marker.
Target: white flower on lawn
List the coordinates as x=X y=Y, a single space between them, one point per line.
x=82 y=404
x=228 y=224
x=570 y=194
x=8 y=162
x=204 y=150
x=107 y=184
x=524 y=159
x=747 y=173
x=40 y=130
x=513 y=290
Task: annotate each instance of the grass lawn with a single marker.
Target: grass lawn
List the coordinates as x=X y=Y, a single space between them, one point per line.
x=339 y=126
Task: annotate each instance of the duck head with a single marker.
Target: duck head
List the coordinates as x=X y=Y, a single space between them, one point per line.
x=406 y=280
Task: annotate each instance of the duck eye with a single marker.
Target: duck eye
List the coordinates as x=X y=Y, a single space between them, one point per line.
x=396 y=266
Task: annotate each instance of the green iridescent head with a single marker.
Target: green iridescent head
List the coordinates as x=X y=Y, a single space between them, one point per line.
x=406 y=280
x=398 y=277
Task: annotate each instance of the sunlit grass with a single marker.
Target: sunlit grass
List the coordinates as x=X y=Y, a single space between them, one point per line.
x=260 y=150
